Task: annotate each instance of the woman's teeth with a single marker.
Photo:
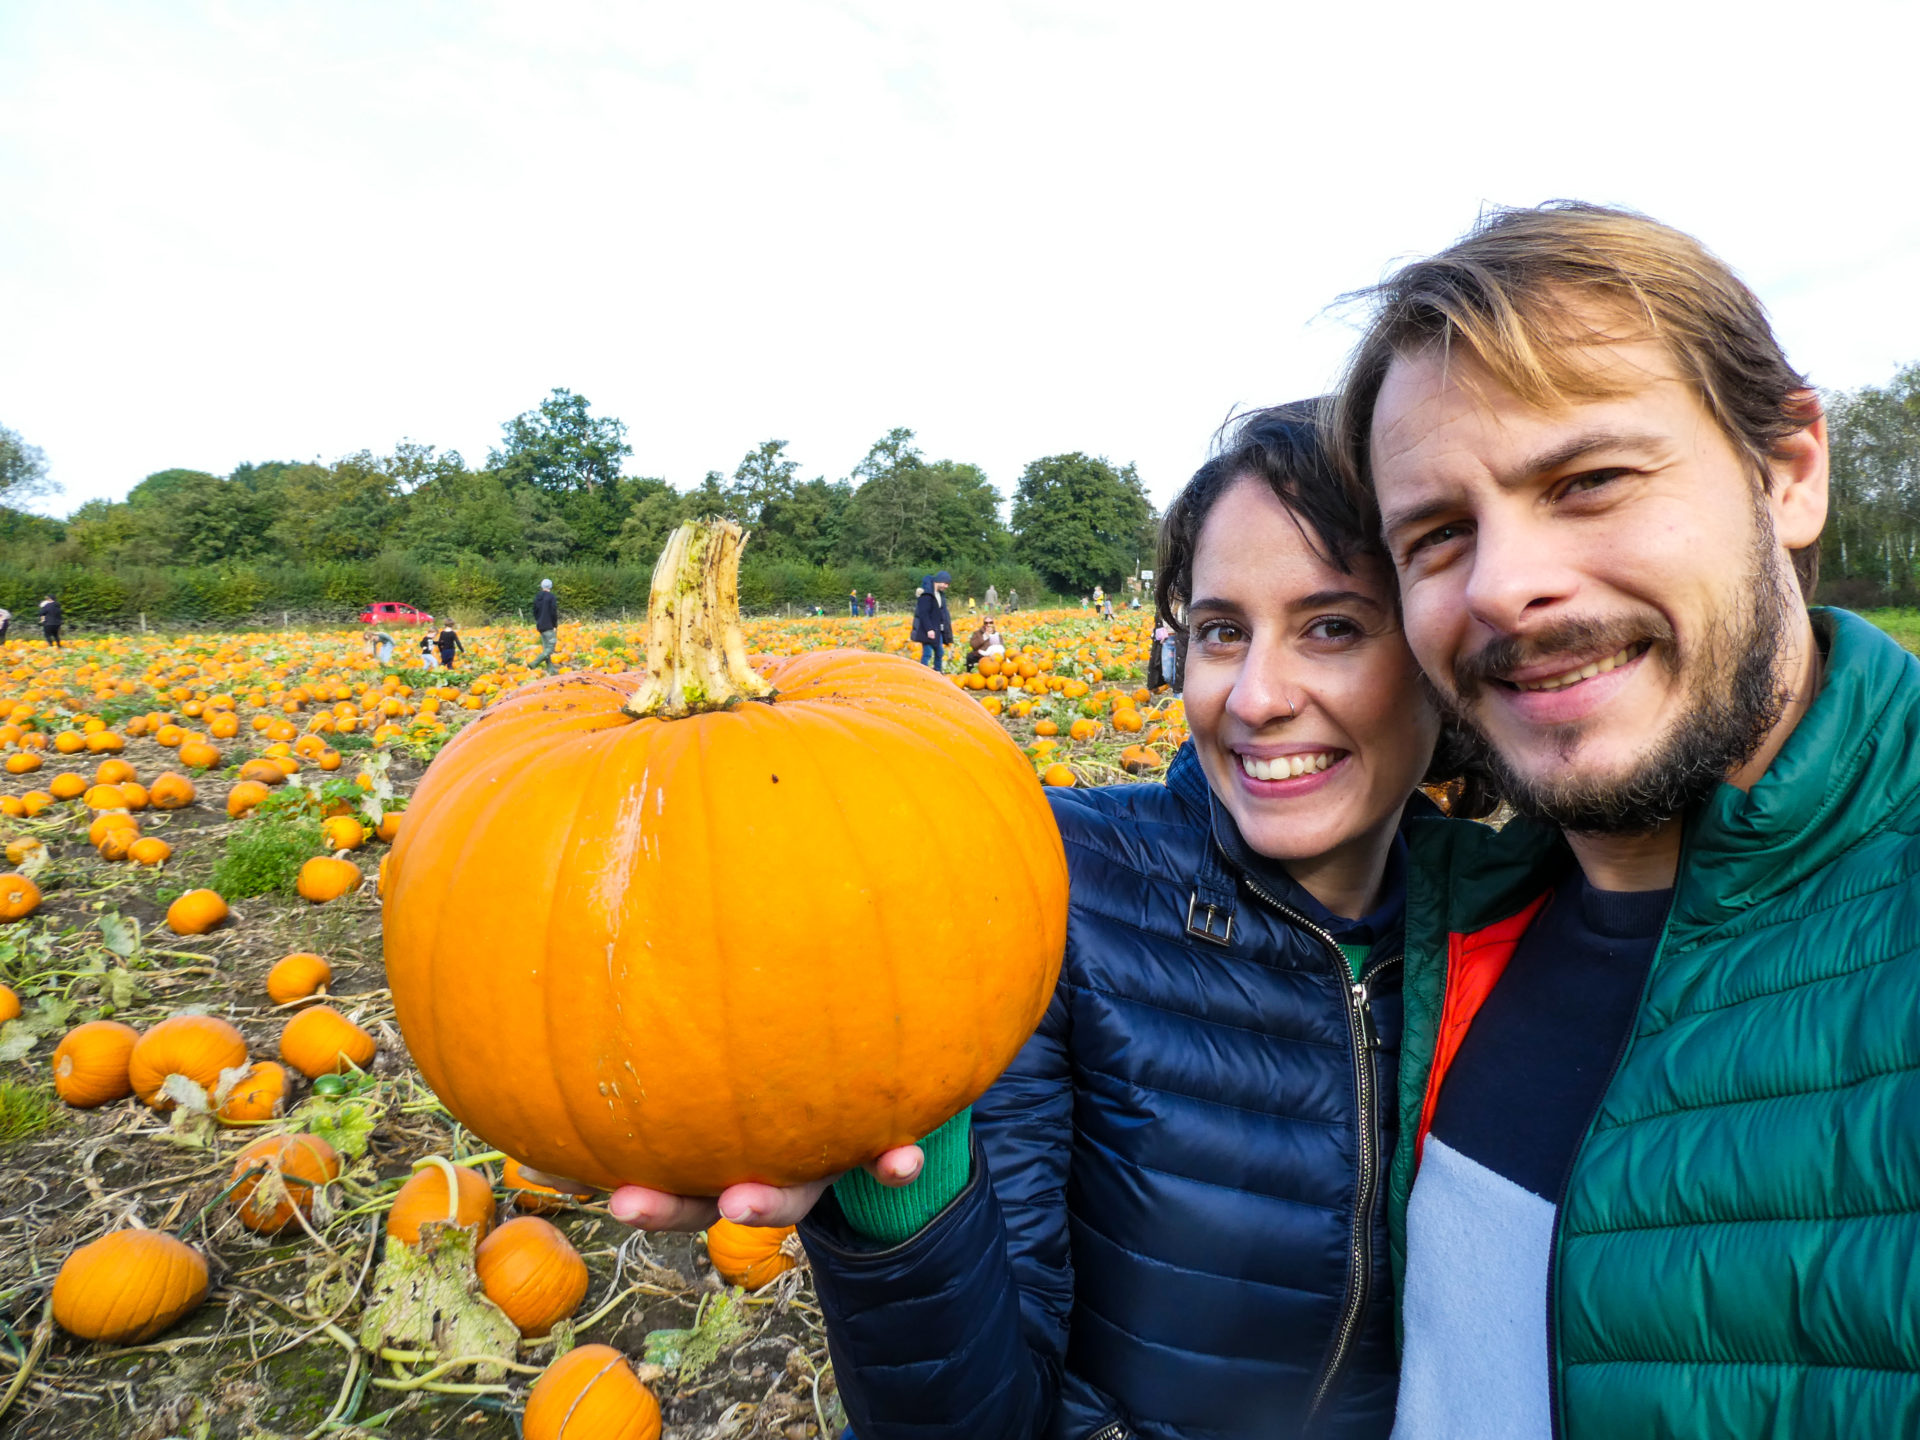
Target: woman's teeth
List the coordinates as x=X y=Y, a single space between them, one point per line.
x=1587 y=672
x=1287 y=767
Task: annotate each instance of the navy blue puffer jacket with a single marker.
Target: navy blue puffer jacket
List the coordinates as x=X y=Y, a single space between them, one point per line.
x=1173 y=1228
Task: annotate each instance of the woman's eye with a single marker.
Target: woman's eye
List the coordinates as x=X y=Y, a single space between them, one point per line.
x=1334 y=627
x=1219 y=632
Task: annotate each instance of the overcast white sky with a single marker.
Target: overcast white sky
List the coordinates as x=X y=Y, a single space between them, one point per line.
x=249 y=231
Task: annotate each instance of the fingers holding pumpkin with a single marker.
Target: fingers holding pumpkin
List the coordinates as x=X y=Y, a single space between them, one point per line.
x=749 y=1204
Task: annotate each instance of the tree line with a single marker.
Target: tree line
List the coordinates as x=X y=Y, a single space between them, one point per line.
x=1870 y=551
x=422 y=525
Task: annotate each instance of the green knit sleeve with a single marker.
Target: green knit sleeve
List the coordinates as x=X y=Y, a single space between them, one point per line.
x=893 y=1213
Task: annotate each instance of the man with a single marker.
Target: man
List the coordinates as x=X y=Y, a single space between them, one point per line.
x=51 y=620
x=6 y=621
x=546 y=621
x=993 y=600
x=932 y=624
x=853 y=604
x=1658 y=1171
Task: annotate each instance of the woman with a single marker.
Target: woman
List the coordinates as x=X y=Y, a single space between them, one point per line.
x=984 y=642
x=1165 y=1220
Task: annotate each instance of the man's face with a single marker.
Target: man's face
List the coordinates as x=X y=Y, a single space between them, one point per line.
x=1599 y=590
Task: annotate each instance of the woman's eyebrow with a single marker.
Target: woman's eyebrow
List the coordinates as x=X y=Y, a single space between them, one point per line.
x=1336 y=597
x=1215 y=604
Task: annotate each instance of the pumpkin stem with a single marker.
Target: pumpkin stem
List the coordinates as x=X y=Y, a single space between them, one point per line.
x=696 y=656
x=453 y=1184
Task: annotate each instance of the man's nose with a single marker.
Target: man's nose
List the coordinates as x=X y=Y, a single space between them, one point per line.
x=1519 y=567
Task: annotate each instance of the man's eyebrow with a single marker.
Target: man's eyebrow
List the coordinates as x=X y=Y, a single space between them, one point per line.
x=1542 y=462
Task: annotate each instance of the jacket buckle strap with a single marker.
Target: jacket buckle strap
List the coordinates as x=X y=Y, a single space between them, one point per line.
x=1209 y=922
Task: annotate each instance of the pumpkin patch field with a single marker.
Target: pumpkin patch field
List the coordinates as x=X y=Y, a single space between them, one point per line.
x=232 y=1203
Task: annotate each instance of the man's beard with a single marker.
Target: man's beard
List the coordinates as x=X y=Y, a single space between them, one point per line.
x=1724 y=725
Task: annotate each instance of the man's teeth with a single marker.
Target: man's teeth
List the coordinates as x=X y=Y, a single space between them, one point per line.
x=1585 y=672
x=1287 y=767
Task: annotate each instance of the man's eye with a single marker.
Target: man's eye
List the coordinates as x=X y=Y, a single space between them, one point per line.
x=1590 y=480
x=1439 y=535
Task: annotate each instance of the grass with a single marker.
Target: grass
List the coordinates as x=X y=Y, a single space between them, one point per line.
x=264 y=856
x=1902 y=624
x=25 y=1110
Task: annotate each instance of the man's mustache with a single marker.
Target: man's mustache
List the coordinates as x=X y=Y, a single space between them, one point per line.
x=1596 y=638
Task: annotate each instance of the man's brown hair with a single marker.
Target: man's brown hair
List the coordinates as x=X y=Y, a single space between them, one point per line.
x=1518 y=291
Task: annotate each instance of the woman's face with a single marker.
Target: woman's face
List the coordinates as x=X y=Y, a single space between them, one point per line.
x=1304 y=702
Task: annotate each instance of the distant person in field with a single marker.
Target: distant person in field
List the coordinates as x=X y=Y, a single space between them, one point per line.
x=853 y=604
x=50 y=621
x=546 y=620
x=984 y=642
x=449 y=641
x=993 y=600
x=932 y=623
x=6 y=619
x=1013 y=601
x=381 y=644
x=870 y=605
x=426 y=652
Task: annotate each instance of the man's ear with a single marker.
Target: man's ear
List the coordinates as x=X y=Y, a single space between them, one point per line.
x=1798 y=469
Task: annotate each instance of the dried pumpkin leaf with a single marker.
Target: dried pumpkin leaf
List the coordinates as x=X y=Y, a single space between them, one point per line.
x=427 y=1297
x=17 y=1038
x=119 y=934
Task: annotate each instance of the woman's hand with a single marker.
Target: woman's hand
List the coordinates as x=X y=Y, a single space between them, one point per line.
x=748 y=1204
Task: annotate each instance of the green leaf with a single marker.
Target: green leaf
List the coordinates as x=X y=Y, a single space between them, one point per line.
x=122 y=988
x=120 y=935
x=345 y=1124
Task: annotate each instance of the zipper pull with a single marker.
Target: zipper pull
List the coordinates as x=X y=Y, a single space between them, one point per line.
x=1363 y=1011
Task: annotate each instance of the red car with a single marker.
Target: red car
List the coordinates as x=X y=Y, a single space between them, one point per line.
x=392 y=612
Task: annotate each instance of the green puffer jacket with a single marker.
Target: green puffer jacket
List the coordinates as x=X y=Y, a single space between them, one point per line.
x=1738 y=1251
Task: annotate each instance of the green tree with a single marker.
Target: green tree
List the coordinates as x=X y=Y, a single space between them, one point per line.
x=655 y=510
x=808 y=524
x=763 y=477
x=908 y=510
x=1079 y=521
x=188 y=517
x=23 y=470
x=340 y=512
x=561 y=448
x=1873 y=524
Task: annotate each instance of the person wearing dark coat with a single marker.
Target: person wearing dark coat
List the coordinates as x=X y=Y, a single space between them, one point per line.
x=50 y=621
x=448 y=641
x=546 y=622
x=1164 y=1220
x=932 y=624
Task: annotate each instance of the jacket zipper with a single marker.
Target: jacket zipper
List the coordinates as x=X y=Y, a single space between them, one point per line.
x=1556 y=1429
x=1360 y=1253
x=1112 y=1430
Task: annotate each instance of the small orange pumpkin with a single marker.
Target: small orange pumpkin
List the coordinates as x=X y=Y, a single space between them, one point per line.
x=199 y=755
x=150 y=850
x=534 y=1197
x=113 y=772
x=104 y=797
x=196 y=912
x=322 y=1041
x=591 y=1393
x=343 y=832
x=300 y=1163
x=425 y=1197
x=258 y=1095
x=19 y=897
x=749 y=1255
x=244 y=796
x=171 y=791
x=90 y=1063
x=326 y=877
x=9 y=1004
x=67 y=786
x=127 y=1287
x=196 y=1046
x=296 y=976
x=262 y=772
x=531 y=1271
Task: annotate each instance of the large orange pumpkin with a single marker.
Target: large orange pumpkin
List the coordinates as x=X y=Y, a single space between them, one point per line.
x=635 y=889
x=199 y=1047
x=531 y=1271
x=90 y=1063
